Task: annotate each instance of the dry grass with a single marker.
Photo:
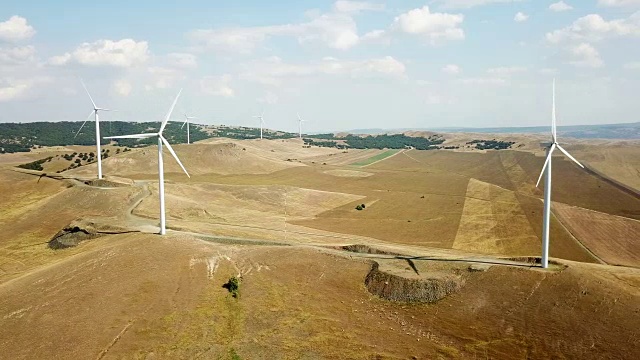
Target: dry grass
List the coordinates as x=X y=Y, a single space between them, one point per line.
x=618 y=160
x=613 y=239
x=300 y=302
x=162 y=297
x=493 y=222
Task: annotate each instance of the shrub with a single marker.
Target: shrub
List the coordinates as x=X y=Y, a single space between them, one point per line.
x=359 y=207
x=363 y=206
x=233 y=285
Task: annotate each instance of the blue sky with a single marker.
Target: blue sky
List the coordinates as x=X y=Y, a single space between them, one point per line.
x=341 y=64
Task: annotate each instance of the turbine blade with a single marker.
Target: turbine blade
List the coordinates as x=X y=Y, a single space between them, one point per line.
x=569 y=156
x=85 y=89
x=173 y=153
x=546 y=162
x=133 y=136
x=553 y=113
x=166 y=119
x=184 y=123
x=83 y=124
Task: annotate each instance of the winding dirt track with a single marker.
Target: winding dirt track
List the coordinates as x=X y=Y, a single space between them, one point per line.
x=144 y=224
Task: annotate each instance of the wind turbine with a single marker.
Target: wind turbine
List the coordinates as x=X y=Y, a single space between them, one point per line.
x=94 y=112
x=261 y=117
x=546 y=169
x=186 y=121
x=300 y=121
x=161 y=140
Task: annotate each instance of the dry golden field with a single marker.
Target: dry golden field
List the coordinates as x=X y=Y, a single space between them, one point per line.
x=278 y=216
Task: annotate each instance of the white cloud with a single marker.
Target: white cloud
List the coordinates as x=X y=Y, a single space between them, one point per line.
x=17 y=55
x=11 y=90
x=356 y=6
x=240 y=40
x=268 y=98
x=335 y=30
x=59 y=60
x=586 y=56
x=632 y=65
x=163 y=77
x=482 y=81
x=468 y=4
x=619 y=3
x=15 y=89
x=520 y=17
x=122 y=87
x=273 y=70
x=451 y=69
x=15 y=29
x=593 y=27
x=122 y=53
x=376 y=36
x=548 y=71
x=182 y=60
x=217 y=86
x=434 y=26
x=386 y=66
x=506 y=70
x=560 y=6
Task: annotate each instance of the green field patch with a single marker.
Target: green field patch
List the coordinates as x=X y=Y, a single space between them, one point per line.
x=375 y=158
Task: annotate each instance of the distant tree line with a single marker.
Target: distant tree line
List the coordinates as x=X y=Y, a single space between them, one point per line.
x=395 y=141
x=491 y=144
x=22 y=137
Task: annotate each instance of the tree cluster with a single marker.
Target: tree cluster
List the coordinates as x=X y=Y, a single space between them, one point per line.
x=395 y=141
x=491 y=144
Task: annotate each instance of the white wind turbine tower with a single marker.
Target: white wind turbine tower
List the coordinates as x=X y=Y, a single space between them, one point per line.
x=94 y=112
x=546 y=169
x=186 y=121
x=261 y=117
x=300 y=121
x=161 y=140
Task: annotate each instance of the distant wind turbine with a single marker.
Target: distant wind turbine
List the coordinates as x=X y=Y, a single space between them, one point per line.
x=186 y=121
x=94 y=112
x=300 y=121
x=261 y=117
x=161 y=140
x=546 y=169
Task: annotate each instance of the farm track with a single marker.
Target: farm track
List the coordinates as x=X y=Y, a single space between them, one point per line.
x=405 y=252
